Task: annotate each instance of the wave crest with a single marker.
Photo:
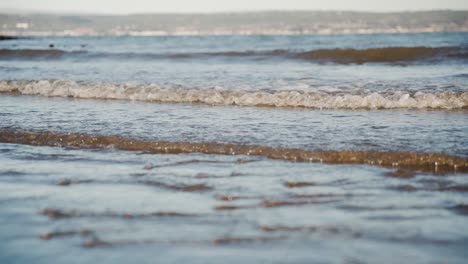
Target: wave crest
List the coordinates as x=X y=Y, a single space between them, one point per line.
x=214 y=96
x=31 y=53
x=387 y=54
x=390 y=55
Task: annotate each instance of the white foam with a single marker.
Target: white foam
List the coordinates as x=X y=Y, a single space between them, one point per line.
x=319 y=100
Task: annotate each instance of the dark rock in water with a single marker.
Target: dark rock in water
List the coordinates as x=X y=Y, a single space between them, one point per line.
x=7 y=38
x=51 y=45
x=83 y=45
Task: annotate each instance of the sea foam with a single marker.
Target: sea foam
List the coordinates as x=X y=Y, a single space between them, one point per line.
x=216 y=96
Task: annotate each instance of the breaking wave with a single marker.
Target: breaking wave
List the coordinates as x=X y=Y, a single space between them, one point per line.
x=407 y=160
x=215 y=96
x=342 y=56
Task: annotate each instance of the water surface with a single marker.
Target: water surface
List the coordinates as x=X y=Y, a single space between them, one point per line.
x=323 y=149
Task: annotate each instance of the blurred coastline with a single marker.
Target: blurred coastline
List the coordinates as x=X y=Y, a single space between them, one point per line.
x=238 y=23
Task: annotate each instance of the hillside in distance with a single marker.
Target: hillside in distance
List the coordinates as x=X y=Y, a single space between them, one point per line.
x=242 y=23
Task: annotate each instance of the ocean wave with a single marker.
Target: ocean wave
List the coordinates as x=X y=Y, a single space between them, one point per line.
x=26 y=54
x=216 y=96
x=341 y=56
x=409 y=160
x=35 y=53
x=385 y=55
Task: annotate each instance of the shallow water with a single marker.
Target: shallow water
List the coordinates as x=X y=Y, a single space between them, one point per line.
x=382 y=146
x=104 y=205
x=392 y=130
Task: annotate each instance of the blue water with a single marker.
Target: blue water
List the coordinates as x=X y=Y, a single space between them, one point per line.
x=228 y=90
x=116 y=60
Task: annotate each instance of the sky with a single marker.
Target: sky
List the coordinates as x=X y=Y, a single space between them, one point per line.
x=206 y=6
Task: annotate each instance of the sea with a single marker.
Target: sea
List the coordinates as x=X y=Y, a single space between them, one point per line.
x=348 y=148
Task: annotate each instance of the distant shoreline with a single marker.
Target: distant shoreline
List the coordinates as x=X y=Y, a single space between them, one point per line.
x=233 y=23
x=140 y=34
x=235 y=12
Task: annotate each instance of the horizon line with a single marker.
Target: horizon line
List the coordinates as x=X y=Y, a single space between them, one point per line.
x=10 y=11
